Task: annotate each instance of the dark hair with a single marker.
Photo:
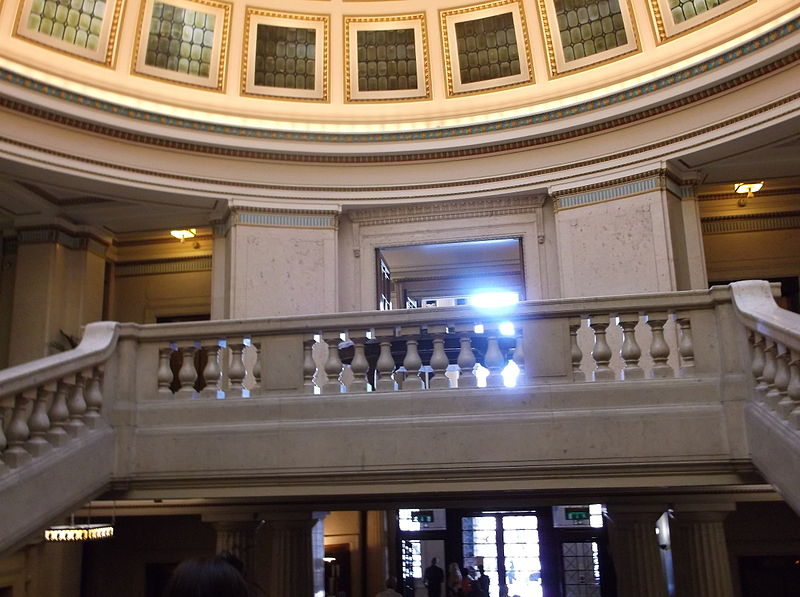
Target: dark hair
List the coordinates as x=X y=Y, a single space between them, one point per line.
x=206 y=577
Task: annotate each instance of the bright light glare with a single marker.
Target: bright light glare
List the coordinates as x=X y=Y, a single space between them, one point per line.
x=506 y=328
x=493 y=300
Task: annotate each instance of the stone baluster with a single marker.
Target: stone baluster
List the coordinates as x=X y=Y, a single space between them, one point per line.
x=519 y=355
x=212 y=372
x=780 y=380
x=236 y=370
x=309 y=366
x=770 y=368
x=187 y=374
x=575 y=350
x=39 y=421
x=659 y=349
x=76 y=404
x=439 y=361
x=333 y=365
x=685 y=345
x=17 y=434
x=631 y=352
x=359 y=365
x=793 y=390
x=385 y=365
x=256 y=389
x=59 y=414
x=758 y=362
x=164 y=374
x=466 y=357
x=601 y=352
x=412 y=361
x=781 y=383
x=493 y=360
x=93 y=397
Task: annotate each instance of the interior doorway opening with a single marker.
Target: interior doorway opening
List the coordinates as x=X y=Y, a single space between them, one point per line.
x=449 y=274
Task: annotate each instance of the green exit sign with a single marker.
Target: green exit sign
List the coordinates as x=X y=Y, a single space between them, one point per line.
x=576 y=514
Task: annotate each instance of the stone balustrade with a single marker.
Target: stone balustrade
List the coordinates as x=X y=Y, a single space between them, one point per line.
x=772 y=360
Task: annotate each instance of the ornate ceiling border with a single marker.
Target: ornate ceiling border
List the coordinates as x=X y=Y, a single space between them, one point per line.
x=751 y=222
x=510 y=182
x=747 y=49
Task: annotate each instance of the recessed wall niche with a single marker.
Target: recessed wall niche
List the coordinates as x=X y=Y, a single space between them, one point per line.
x=386 y=58
x=183 y=41
x=83 y=28
x=486 y=47
x=286 y=55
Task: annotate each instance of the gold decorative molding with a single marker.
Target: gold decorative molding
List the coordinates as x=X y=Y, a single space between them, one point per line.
x=448 y=20
x=318 y=22
x=761 y=222
x=667 y=29
x=355 y=24
x=106 y=51
x=557 y=62
x=216 y=76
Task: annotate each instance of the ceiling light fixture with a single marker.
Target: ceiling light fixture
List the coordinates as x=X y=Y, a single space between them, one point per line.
x=182 y=235
x=746 y=187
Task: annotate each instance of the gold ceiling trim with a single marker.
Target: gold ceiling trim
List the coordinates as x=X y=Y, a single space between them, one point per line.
x=352 y=93
x=221 y=11
x=105 y=54
x=556 y=61
x=321 y=92
x=448 y=19
x=666 y=29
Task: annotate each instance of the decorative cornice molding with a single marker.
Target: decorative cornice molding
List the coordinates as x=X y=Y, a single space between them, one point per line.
x=611 y=190
x=424 y=135
x=447 y=210
x=76 y=240
x=164 y=266
x=751 y=222
x=276 y=218
x=765 y=192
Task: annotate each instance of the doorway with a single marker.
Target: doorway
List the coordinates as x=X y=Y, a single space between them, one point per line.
x=448 y=274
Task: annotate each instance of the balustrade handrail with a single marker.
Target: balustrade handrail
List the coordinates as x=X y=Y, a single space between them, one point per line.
x=550 y=308
x=755 y=305
x=97 y=344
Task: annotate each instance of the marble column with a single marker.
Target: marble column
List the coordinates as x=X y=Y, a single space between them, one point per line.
x=699 y=551
x=290 y=548
x=635 y=550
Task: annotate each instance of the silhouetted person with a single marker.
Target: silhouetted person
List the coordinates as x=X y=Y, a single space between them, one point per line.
x=206 y=577
x=434 y=577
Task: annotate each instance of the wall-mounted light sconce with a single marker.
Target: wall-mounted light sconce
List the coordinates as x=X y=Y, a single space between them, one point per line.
x=746 y=189
x=182 y=235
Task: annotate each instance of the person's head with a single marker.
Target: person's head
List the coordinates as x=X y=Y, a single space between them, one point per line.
x=391 y=582
x=206 y=577
x=433 y=562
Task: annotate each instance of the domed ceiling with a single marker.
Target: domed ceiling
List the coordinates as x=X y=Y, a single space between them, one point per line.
x=375 y=67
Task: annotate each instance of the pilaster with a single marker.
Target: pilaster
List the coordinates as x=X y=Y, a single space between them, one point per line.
x=699 y=551
x=635 y=550
x=290 y=551
x=60 y=272
x=273 y=262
